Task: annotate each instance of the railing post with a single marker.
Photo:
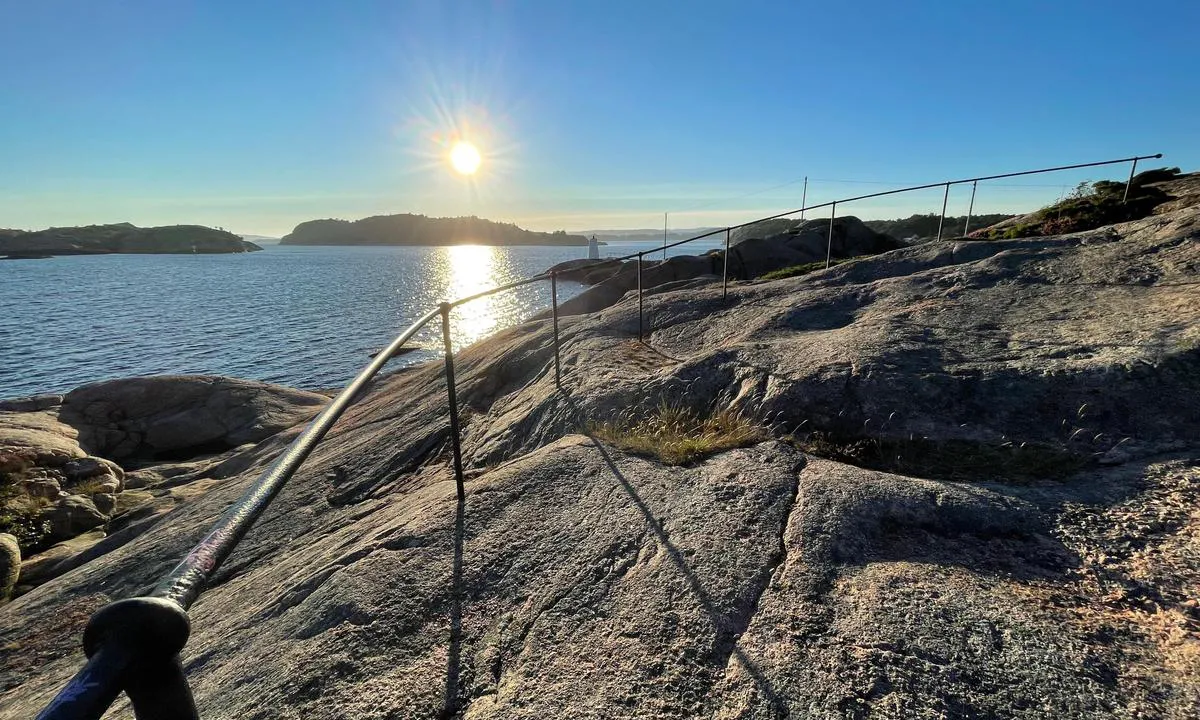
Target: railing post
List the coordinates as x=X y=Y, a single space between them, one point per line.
x=665 y=236
x=829 y=246
x=804 y=197
x=554 y=316
x=455 y=437
x=1132 y=170
x=970 y=208
x=942 y=220
x=639 y=291
x=725 y=271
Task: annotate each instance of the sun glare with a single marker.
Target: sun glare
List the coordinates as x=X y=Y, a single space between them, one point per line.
x=465 y=158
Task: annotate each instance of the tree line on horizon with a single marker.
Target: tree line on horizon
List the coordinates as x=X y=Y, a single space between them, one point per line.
x=411 y=229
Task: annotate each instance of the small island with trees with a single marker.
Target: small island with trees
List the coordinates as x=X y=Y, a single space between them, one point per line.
x=409 y=229
x=122 y=238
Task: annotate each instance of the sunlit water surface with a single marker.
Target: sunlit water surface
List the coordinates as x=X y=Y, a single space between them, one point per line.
x=302 y=316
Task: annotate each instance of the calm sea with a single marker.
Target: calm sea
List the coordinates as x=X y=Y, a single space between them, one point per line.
x=302 y=316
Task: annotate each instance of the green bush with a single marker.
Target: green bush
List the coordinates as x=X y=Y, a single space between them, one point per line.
x=20 y=514
x=1092 y=205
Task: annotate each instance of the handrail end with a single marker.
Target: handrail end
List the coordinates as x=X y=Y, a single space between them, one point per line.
x=146 y=624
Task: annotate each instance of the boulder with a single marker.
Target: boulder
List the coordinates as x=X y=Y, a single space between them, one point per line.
x=88 y=467
x=42 y=487
x=176 y=416
x=805 y=241
x=38 y=438
x=105 y=502
x=43 y=566
x=96 y=472
x=34 y=403
x=10 y=564
x=73 y=515
x=141 y=479
x=612 y=282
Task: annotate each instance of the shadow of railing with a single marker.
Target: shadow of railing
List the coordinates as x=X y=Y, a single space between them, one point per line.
x=454 y=656
x=726 y=629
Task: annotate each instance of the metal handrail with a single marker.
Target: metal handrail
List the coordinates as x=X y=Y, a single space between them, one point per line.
x=114 y=641
x=133 y=645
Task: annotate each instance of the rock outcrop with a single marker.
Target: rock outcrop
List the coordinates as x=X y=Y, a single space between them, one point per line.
x=1056 y=579
x=57 y=481
x=1094 y=205
x=788 y=243
x=180 y=416
x=121 y=238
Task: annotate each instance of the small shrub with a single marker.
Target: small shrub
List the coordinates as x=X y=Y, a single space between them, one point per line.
x=678 y=436
x=21 y=516
x=20 y=513
x=1092 y=205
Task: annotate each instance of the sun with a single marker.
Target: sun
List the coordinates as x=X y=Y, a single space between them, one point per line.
x=465 y=158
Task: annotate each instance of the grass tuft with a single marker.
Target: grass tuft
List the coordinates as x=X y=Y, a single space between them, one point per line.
x=804 y=269
x=679 y=436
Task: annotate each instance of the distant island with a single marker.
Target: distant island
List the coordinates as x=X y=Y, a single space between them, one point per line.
x=119 y=238
x=407 y=229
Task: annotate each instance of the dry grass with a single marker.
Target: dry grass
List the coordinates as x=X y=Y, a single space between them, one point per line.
x=91 y=485
x=679 y=436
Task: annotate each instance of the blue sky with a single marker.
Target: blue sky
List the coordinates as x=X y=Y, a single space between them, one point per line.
x=255 y=116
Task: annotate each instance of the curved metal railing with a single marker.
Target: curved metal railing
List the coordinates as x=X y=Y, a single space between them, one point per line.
x=133 y=645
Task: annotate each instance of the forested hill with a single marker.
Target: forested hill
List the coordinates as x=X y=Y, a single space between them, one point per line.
x=409 y=229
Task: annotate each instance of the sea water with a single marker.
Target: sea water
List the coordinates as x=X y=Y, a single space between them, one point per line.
x=307 y=317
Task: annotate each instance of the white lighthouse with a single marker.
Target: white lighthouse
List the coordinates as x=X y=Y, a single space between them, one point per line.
x=593 y=249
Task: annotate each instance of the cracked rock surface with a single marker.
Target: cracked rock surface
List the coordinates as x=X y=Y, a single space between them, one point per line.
x=763 y=582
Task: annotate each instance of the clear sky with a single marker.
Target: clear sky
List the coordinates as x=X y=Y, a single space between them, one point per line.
x=255 y=115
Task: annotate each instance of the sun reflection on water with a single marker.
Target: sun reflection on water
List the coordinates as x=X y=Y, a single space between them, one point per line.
x=471 y=269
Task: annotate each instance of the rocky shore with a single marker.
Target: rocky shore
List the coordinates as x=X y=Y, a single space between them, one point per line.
x=976 y=497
